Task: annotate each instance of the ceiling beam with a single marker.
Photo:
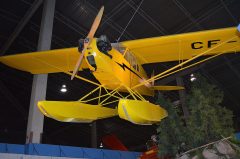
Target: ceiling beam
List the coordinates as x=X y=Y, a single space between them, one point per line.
x=229 y=12
x=205 y=15
x=148 y=18
x=229 y=64
x=35 y=27
x=36 y=4
x=188 y=14
x=111 y=23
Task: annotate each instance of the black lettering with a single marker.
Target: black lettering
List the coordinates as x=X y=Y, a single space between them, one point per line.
x=212 y=42
x=197 y=47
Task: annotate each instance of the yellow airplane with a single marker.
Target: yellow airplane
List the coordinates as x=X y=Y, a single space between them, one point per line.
x=118 y=68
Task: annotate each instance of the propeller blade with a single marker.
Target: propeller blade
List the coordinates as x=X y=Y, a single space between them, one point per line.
x=90 y=37
x=79 y=62
x=96 y=23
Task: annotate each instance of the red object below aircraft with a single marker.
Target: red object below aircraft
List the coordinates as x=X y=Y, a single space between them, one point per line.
x=111 y=141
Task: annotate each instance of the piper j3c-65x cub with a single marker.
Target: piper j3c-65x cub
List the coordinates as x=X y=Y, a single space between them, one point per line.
x=118 y=69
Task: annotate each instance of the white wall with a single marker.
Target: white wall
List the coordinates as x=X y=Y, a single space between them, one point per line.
x=20 y=156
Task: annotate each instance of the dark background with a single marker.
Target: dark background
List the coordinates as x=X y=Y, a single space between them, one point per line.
x=72 y=21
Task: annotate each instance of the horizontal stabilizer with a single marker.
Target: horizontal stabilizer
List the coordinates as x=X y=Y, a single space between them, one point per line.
x=75 y=111
x=167 y=88
x=140 y=112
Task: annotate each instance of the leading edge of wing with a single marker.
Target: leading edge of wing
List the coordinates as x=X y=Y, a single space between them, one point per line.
x=52 y=61
x=182 y=46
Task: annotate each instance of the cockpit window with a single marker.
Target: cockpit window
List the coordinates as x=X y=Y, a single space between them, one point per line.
x=132 y=60
x=128 y=56
x=120 y=49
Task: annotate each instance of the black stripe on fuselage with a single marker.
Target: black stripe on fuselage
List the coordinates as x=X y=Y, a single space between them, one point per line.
x=123 y=66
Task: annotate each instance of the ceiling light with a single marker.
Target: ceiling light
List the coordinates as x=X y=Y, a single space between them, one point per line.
x=101 y=145
x=192 y=78
x=63 y=89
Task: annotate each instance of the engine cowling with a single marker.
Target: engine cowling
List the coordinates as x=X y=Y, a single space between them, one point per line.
x=103 y=44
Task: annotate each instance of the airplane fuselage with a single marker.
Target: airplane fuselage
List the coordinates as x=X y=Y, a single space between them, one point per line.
x=113 y=69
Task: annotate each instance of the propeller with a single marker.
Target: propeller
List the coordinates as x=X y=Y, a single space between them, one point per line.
x=88 y=40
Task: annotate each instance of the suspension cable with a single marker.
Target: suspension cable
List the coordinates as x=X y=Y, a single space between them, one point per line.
x=130 y=21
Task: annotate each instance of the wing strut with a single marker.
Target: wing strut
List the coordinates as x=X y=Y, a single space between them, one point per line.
x=168 y=72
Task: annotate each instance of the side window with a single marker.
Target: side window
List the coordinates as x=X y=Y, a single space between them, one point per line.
x=128 y=56
x=132 y=60
x=136 y=67
x=119 y=48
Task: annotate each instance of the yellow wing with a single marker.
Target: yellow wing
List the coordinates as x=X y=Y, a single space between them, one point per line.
x=61 y=60
x=183 y=46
